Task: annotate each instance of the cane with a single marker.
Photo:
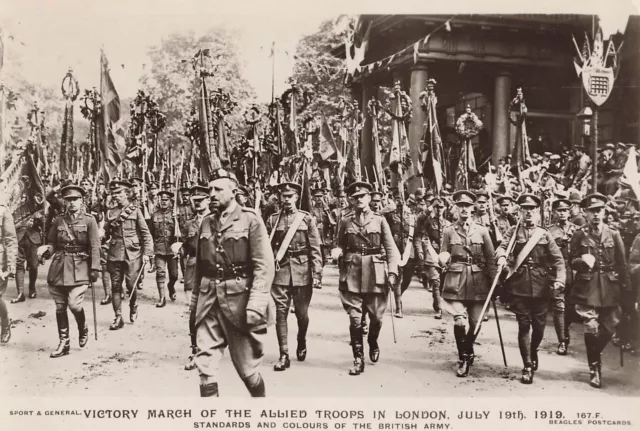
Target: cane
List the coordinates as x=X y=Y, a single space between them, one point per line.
x=495 y=312
x=393 y=323
x=134 y=286
x=95 y=319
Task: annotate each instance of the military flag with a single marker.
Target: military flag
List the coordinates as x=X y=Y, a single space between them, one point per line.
x=112 y=133
x=327 y=147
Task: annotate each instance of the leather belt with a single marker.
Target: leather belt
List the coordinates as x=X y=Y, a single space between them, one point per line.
x=466 y=260
x=227 y=273
x=294 y=253
x=603 y=268
x=364 y=251
x=74 y=249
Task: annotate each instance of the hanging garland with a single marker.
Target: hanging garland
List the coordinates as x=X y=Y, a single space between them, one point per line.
x=468 y=125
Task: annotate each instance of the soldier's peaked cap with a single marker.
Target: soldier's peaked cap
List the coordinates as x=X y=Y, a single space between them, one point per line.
x=359 y=188
x=118 y=185
x=593 y=201
x=464 y=197
x=165 y=192
x=482 y=196
x=527 y=200
x=561 y=204
x=289 y=188
x=504 y=198
x=199 y=192
x=220 y=173
x=317 y=192
x=72 y=192
x=136 y=180
x=185 y=190
x=376 y=193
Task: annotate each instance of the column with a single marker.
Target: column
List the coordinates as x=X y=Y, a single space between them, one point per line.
x=419 y=76
x=501 y=96
x=366 y=145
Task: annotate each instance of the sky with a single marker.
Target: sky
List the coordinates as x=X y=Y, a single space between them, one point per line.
x=58 y=34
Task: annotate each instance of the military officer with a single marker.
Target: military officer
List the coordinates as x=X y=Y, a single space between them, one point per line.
x=325 y=226
x=468 y=251
x=296 y=244
x=601 y=281
x=376 y=203
x=29 y=239
x=536 y=268
x=129 y=245
x=73 y=241
x=163 y=230
x=562 y=231
x=363 y=279
x=8 y=254
x=231 y=299
x=505 y=220
x=402 y=222
x=481 y=215
x=188 y=247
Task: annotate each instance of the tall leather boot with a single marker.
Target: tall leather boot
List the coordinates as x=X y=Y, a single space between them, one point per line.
x=358 y=351
x=83 y=329
x=537 y=334
x=436 y=299
x=463 y=357
x=33 y=276
x=593 y=358
x=256 y=387
x=117 y=308
x=19 y=287
x=559 y=325
x=524 y=343
x=470 y=340
x=303 y=327
x=372 y=339
x=63 y=332
x=209 y=390
x=282 y=332
x=163 y=300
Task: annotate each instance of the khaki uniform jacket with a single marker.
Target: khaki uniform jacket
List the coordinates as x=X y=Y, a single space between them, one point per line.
x=430 y=231
x=130 y=239
x=323 y=223
x=366 y=273
x=74 y=256
x=185 y=213
x=471 y=266
x=244 y=239
x=543 y=266
x=190 y=237
x=9 y=243
x=162 y=229
x=302 y=263
x=503 y=224
x=562 y=235
x=400 y=226
x=603 y=285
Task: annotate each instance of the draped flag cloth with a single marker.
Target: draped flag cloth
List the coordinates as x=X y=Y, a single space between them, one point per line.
x=205 y=131
x=520 y=153
x=433 y=157
x=466 y=164
x=112 y=134
x=399 y=143
x=327 y=145
x=23 y=190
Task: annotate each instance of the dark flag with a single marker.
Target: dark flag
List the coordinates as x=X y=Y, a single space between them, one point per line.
x=432 y=159
x=520 y=153
x=25 y=190
x=206 y=129
x=112 y=134
x=327 y=147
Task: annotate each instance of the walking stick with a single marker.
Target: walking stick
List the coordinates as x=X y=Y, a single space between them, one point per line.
x=134 y=287
x=495 y=312
x=393 y=323
x=95 y=319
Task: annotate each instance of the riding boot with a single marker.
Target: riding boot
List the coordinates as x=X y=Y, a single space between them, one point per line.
x=537 y=333
x=470 y=340
x=33 y=276
x=524 y=343
x=558 y=323
x=116 y=301
x=436 y=298
x=256 y=387
x=63 y=332
x=364 y=325
x=372 y=338
x=162 y=299
x=463 y=358
x=358 y=351
x=19 y=287
x=209 y=390
x=593 y=358
x=83 y=329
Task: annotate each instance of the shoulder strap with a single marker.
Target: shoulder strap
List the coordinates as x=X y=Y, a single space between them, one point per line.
x=289 y=235
x=69 y=231
x=526 y=250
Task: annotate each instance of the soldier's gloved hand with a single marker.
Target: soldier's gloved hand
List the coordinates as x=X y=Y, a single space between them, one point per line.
x=253 y=319
x=41 y=251
x=502 y=261
x=317 y=283
x=146 y=260
x=95 y=274
x=393 y=279
x=175 y=247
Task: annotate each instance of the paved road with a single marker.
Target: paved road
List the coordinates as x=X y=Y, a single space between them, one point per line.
x=147 y=358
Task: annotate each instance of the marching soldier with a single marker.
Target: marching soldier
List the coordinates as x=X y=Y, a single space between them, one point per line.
x=185 y=212
x=73 y=241
x=8 y=253
x=601 y=281
x=481 y=215
x=376 y=203
x=468 y=251
x=162 y=228
x=562 y=231
x=234 y=271
x=298 y=258
x=536 y=268
x=129 y=245
x=402 y=222
x=188 y=247
x=29 y=239
x=324 y=223
x=505 y=220
x=363 y=279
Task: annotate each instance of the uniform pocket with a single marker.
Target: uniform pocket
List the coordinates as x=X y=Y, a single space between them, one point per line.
x=81 y=269
x=236 y=286
x=452 y=281
x=380 y=269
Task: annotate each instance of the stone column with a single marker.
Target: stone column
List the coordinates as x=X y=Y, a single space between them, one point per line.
x=501 y=98
x=419 y=76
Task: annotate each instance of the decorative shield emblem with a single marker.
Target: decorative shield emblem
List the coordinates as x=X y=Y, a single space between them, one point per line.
x=598 y=81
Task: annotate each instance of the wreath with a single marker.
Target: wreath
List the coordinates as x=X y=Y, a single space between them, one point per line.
x=69 y=87
x=468 y=125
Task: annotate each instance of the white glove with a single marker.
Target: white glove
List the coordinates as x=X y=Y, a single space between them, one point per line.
x=41 y=251
x=502 y=261
x=444 y=258
x=175 y=247
x=336 y=253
